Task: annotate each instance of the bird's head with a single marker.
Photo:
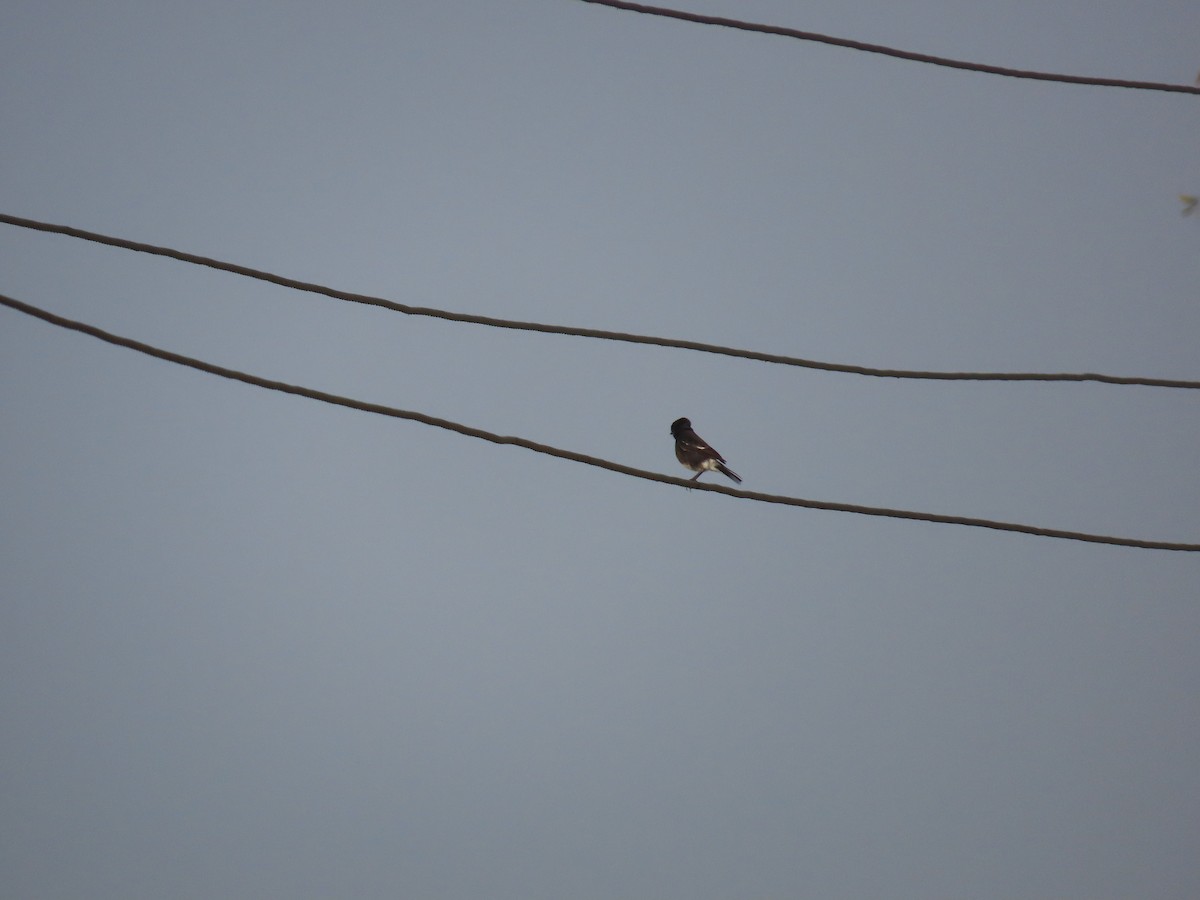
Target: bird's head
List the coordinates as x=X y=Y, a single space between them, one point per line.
x=680 y=425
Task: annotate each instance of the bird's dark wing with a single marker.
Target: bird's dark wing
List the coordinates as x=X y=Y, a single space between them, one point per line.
x=694 y=442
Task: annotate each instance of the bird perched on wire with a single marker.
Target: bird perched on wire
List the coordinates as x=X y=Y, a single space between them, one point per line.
x=693 y=452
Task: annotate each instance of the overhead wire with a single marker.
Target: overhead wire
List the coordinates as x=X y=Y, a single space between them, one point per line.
x=546 y=449
x=593 y=333
x=929 y=59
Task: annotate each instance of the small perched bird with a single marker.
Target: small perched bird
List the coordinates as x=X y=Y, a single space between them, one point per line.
x=693 y=452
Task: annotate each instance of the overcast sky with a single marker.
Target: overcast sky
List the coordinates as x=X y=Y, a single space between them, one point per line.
x=256 y=646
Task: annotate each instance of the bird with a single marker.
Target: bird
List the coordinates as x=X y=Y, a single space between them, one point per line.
x=693 y=452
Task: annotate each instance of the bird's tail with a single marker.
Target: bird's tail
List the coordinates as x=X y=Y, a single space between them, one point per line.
x=725 y=470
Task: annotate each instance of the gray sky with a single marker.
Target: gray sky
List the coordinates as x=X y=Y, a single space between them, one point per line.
x=257 y=646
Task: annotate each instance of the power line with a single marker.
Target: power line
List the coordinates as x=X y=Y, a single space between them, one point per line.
x=571 y=455
x=892 y=51
x=595 y=333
